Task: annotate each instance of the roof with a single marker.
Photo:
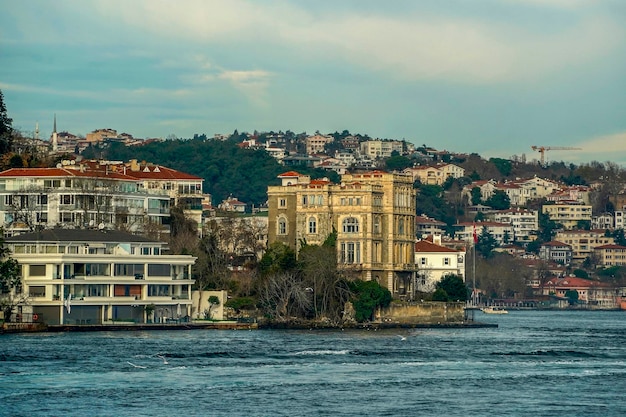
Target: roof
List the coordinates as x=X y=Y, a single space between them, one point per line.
x=556 y=243
x=426 y=246
x=610 y=246
x=289 y=174
x=569 y=282
x=79 y=235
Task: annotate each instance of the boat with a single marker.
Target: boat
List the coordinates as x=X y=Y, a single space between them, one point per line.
x=493 y=310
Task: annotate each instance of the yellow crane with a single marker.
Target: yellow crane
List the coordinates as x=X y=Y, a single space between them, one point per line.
x=542 y=150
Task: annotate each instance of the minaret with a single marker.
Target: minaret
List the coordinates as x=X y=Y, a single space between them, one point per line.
x=55 y=143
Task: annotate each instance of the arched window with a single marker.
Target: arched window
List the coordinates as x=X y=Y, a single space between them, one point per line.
x=312 y=225
x=351 y=225
x=401 y=227
x=282 y=226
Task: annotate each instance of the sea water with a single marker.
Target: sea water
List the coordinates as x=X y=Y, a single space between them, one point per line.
x=535 y=363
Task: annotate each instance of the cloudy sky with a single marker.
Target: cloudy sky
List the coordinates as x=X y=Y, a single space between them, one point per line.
x=486 y=76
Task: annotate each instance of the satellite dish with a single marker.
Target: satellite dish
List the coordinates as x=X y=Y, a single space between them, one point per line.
x=59 y=165
x=101 y=226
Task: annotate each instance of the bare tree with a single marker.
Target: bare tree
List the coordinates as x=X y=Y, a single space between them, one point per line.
x=284 y=295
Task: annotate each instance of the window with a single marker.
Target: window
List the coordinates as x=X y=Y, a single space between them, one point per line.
x=351 y=225
x=446 y=261
x=37 y=291
x=423 y=261
x=312 y=225
x=282 y=203
x=401 y=226
x=351 y=253
x=162 y=270
x=377 y=224
x=282 y=226
x=128 y=269
x=37 y=270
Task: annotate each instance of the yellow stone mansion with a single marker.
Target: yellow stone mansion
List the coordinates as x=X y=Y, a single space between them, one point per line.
x=373 y=214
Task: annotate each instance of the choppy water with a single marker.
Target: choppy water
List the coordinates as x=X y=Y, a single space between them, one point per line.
x=534 y=364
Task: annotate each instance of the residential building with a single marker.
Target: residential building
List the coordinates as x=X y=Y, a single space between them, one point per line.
x=98 y=276
x=381 y=148
x=435 y=261
x=487 y=188
x=556 y=251
x=603 y=221
x=593 y=294
x=232 y=204
x=583 y=242
x=373 y=214
x=578 y=194
x=525 y=223
x=501 y=232
x=568 y=214
x=317 y=143
x=108 y=195
x=435 y=174
x=425 y=226
x=611 y=255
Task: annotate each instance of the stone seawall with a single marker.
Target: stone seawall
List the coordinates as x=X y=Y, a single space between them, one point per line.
x=422 y=313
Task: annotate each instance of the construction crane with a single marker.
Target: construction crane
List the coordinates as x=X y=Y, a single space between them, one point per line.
x=542 y=150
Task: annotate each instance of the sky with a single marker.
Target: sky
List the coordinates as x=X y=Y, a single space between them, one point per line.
x=487 y=76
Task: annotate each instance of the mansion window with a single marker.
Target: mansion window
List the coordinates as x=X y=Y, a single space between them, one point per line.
x=282 y=226
x=312 y=225
x=351 y=225
x=423 y=261
x=282 y=203
x=351 y=253
x=377 y=224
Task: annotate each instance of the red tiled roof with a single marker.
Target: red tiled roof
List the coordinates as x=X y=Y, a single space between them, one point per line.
x=289 y=174
x=610 y=246
x=554 y=243
x=426 y=246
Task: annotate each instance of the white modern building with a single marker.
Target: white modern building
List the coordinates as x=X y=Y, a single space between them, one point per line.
x=100 y=277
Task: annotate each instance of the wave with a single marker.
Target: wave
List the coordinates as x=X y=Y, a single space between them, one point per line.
x=549 y=353
x=322 y=352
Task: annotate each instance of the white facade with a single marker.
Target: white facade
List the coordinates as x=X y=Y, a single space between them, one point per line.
x=525 y=223
x=100 y=277
x=434 y=261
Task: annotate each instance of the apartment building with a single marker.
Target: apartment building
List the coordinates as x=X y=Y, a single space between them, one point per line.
x=380 y=148
x=611 y=255
x=373 y=214
x=500 y=231
x=569 y=214
x=98 y=277
x=583 y=242
x=93 y=194
x=525 y=223
x=556 y=251
x=317 y=143
x=435 y=174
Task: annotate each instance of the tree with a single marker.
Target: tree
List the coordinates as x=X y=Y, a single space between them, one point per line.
x=572 y=296
x=486 y=243
x=329 y=288
x=283 y=295
x=454 y=287
x=214 y=301
x=278 y=258
x=499 y=201
x=476 y=196
x=398 y=163
x=10 y=282
x=368 y=295
x=547 y=227
x=6 y=129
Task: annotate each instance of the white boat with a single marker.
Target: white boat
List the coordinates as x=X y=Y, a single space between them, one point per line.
x=493 y=310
